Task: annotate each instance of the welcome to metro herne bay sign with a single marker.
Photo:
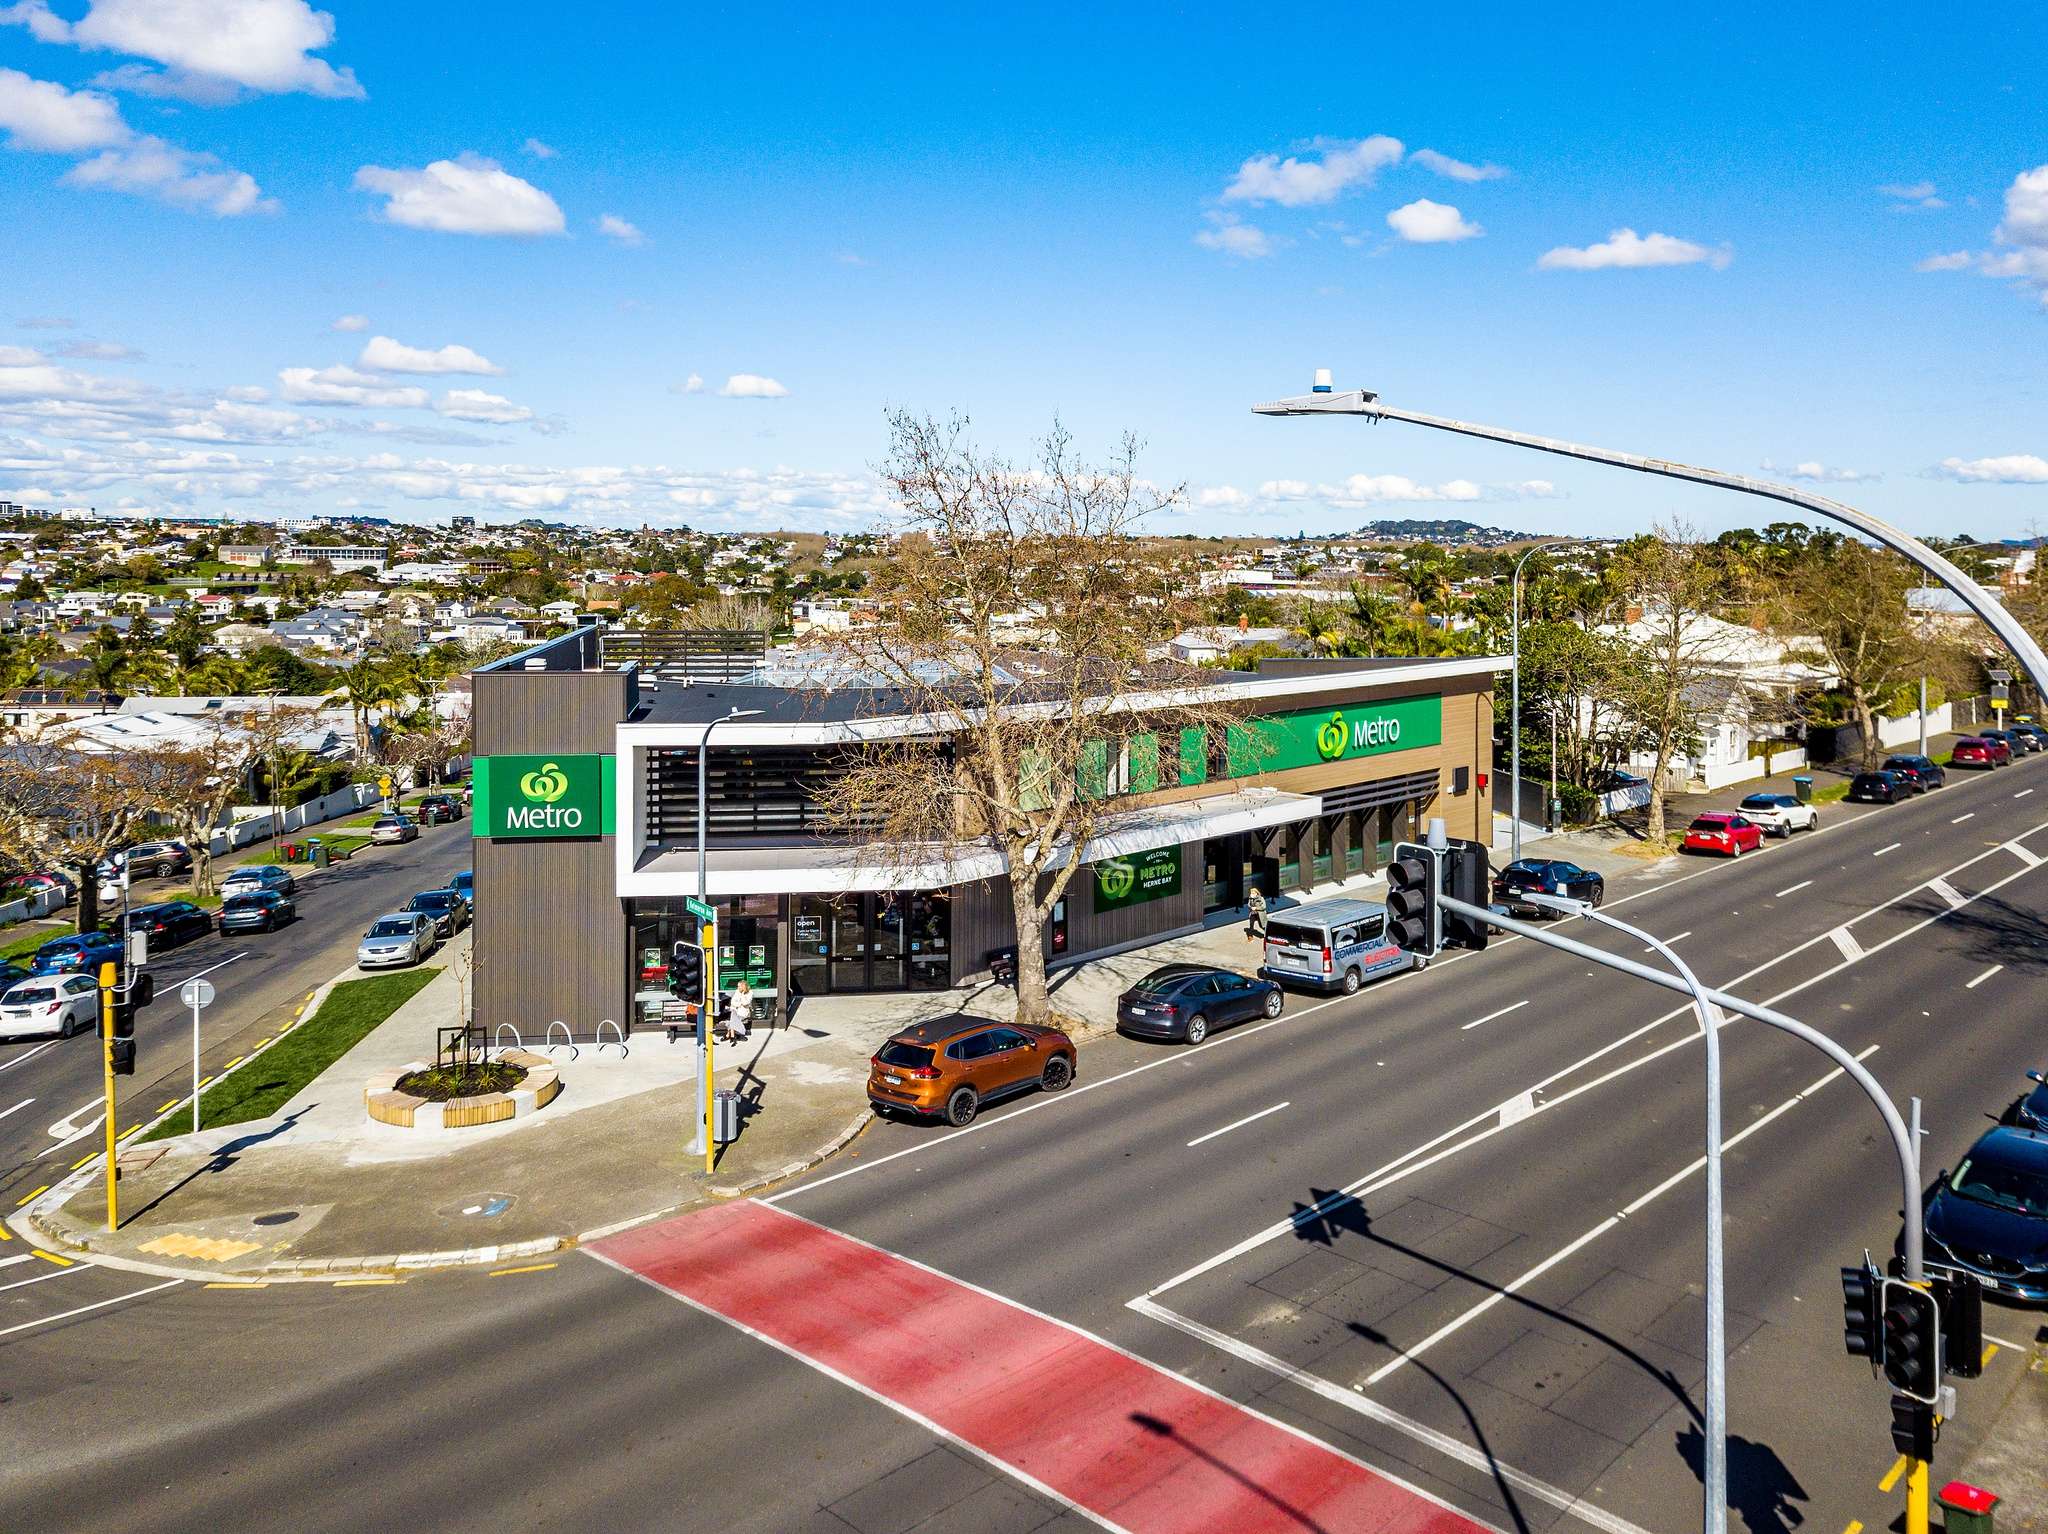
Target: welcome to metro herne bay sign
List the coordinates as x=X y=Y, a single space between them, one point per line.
x=541 y=796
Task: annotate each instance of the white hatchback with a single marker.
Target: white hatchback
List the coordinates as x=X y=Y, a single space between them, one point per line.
x=50 y=1004
x=1779 y=814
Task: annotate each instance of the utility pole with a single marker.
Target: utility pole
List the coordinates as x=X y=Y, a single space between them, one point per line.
x=107 y=1063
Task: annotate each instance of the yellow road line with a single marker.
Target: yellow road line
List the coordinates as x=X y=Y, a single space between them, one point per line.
x=234 y=1062
x=167 y=1107
x=352 y=1283
x=260 y=1043
x=82 y=1160
x=262 y=1283
x=1855 y=1526
x=1990 y=1352
x=62 y=1262
x=45 y=1188
x=6 y=1234
x=1891 y=1476
x=131 y=1129
x=203 y=1080
x=537 y=1267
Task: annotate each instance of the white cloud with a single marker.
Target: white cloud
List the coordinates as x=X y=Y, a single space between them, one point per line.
x=1423 y=222
x=47 y=322
x=1296 y=182
x=540 y=151
x=476 y=405
x=183 y=177
x=612 y=227
x=1234 y=237
x=2021 y=239
x=21 y=357
x=1456 y=170
x=2012 y=469
x=751 y=386
x=345 y=386
x=210 y=49
x=42 y=115
x=1815 y=472
x=1626 y=248
x=1359 y=490
x=1952 y=261
x=98 y=351
x=466 y=195
x=1228 y=497
x=384 y=355
x=1912 y=197
x=352 y=322
x=694 y=384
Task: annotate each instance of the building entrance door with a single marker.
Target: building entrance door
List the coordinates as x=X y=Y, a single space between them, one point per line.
x=1223 y=867
x=892 y=940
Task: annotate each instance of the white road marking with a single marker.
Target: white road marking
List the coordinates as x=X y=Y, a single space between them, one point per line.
x=135 y=1294
x=1894 y=847
x=1961 y=818
x=2023 y=793
x=1444 y=1444
x=2025 y=854
x=23 y=1059
x=8 y=1262
x=42 y=1278
x=1249 y=1119
x=1845 y=940
x=2016 y=1347
x=17 y=1107
x=1971 y=985
x=1795 y=889
x=1947 y=891
x=1681 y=937
x=1503 y=1012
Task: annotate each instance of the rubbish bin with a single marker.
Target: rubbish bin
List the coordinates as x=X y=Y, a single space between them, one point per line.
x=725 y=1117
x=1802 y=785
x=319 y=851
x=1967 y=1508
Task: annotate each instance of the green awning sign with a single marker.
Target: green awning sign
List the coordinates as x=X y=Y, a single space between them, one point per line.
x=1310 y=736
x=1121 y=882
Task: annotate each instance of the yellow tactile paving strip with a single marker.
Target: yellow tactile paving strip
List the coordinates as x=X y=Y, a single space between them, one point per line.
x=205 y=1248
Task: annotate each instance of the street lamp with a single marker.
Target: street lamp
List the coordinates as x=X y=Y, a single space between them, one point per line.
x=1515 y=706
x=703 y=756
x=1363 y=402
x=703 y=1140
x=1715 y=1513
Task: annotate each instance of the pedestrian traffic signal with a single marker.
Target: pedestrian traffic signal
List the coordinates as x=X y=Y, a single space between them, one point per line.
x=1465 y=878
x=1862 y=1304
x=1412 y=885
x=1961 y=1298
x=1912 y=1428
x=1912 y=1340
x=124 y=1056
x=688 y=967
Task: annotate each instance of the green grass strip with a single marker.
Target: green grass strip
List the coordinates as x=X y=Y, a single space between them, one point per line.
x=271 y=1079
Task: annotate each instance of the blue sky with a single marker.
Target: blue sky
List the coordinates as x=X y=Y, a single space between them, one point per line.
x=1135 y=219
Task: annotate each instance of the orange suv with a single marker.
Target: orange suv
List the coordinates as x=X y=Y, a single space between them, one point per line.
x=948 y=1069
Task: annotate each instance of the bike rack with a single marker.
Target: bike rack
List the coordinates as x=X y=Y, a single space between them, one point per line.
x=567 y=1038
x=498 y=1037
x=619 y=1037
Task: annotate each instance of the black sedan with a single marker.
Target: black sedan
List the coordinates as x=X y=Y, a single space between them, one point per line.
x=1878 y=788
x=449 y=910
x=2030 y=1112
x=170 y=921
x=2032 y=732
x=437 y=809
x=1185 y=1001
x=1513 y=885
x=256 y=911
x=1922 y=769
x=1990 y=1215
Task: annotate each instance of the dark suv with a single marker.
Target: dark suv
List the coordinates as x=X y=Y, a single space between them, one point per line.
x=437 y=809
x=1878 y=788
x=1924 y=770
x=170 y=921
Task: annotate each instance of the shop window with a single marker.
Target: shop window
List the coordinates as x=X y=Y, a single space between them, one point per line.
x=1354 y=842
x=1320 y=861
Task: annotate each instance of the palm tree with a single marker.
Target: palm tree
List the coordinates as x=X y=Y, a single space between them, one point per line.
x=365 y=683
x=224 y=672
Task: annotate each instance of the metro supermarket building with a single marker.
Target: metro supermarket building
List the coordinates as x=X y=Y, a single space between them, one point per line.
x=585 y=825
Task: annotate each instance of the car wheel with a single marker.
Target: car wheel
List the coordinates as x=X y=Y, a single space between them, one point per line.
x=1198 y=1029
x=1274 y=1002
x=1351 y=982
x=961 y=1107
x=1813 y=822
x=1058 y=1074
x=1599 y=894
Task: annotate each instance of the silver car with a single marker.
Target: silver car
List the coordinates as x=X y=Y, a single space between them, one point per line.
x=394 y=941
x=395 y=828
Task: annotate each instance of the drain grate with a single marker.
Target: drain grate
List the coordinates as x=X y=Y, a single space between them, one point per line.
x=282 y=1217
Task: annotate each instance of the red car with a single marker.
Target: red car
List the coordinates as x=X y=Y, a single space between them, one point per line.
x=1729 y=835
x=1976 y=751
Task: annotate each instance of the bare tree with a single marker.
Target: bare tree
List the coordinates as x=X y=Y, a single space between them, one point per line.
x=66 y=808
x=1673 y=647
x=193 y=779
x=426 y=749
x=1020 y=617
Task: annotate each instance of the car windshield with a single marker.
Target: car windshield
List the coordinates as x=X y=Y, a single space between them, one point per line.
x=1161 y=980
x=1297 y=937
x=392 y=927
x=31 y=995
x=2003 y=1185
x=896 y=1052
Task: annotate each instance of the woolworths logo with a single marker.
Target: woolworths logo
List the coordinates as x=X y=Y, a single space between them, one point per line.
x=1336 y=735
x=542 y=788
x=1115 y=879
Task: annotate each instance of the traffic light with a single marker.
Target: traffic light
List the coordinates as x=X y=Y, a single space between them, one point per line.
x=124 y=1056
x=688 y=968
x=1862 y=1329
x=1412 y=884
x=1466 y=878
x=1961 y=1299
x=1912 y=1340
x=1912 y=1428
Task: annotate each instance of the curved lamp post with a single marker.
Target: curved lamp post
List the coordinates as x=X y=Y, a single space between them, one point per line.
x=1363 y=402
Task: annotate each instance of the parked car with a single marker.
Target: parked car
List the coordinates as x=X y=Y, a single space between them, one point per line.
x=1925 y=767
x=1877 y=788
x=1977 y=751
x=2030 y=731
x=1989 y=1216
x=949 y=1068
x=1332 y=945
x=9 y=974
x=1544 y=876
x=449 y=910
x=84 y=953
x=148 y=860
x=170 y=921
x=464 y=884
x=64 y=887
x=1719 y=831
x=2018 y=745
x=256 y=910
x=403 y=937
x=437 y=809
x=2031 y=1111
x=50 y=1004
x=395 y=828
x=259 y=876
x=1185 y=1001
x=1779 y=814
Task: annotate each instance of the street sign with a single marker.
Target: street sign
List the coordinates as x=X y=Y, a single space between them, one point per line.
x=196 y=993
x=699 y=909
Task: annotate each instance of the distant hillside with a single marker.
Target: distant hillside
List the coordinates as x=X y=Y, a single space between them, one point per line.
x=1439 y=530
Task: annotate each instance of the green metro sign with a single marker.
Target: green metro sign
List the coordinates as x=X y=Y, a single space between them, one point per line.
x=1310 y=736
x=542 y=796
x=1130 y=881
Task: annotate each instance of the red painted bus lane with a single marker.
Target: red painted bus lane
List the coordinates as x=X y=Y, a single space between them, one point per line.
x=1132 y=1445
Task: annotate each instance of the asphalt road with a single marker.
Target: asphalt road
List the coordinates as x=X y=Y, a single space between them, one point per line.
x=1329 y=1218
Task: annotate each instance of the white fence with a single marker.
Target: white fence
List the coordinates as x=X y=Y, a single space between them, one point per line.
x=41 y=903
x=1721 y=774
x=1897 y=732
x=252 y=822
x=1633 y=797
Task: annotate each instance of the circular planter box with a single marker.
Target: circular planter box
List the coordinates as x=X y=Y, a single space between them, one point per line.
x=388 y=1105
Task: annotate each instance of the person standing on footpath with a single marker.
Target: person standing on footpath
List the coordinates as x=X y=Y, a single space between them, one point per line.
x=1255 y=916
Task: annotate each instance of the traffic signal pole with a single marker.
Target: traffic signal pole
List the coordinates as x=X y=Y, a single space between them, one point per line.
x=107 y=1059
